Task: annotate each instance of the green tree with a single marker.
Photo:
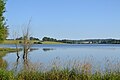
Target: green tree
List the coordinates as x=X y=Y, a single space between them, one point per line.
x=48 y=39
x=3 y=26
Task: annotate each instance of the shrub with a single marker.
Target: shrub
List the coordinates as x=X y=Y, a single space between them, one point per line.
x=6 y=75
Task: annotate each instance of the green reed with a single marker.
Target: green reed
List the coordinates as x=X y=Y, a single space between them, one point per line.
x=76 y=71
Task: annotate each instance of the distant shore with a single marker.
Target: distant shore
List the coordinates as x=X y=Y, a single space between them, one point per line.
x=65 y=41
x=32 y=41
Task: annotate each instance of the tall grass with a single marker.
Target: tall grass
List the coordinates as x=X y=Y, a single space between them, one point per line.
x=6 y=75
x=72 y=71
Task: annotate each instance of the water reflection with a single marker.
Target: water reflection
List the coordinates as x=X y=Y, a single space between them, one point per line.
x=48 y=49
x=64 y=52
x=16 y=65
x=26 y=64
x=25 y=61
x=21 y=63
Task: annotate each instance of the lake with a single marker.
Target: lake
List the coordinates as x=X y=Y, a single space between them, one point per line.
x=63 y=53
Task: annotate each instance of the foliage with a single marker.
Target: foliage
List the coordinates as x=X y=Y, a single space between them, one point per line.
x=33 y=38
x=3 y=27
x=37 y=42
x=59 y=74
x=91 y=41
x=88 y=41
x=77 y=71
x=6 y=75
x=48 y=39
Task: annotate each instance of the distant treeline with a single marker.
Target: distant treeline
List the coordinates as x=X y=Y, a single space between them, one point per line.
x=88 y=41
x=31 y=38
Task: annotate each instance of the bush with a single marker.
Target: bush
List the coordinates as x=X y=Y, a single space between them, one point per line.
x=37 y=43
x=20 y=42
x=6 y=75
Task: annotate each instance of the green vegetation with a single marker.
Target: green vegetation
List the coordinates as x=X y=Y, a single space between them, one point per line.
x=51 y=42
x=88 y=41
x=92 y=41
x=3 y=52
x=3 y=27
x=32 y=41
x=10 y=41
x=6 y=75
x=7 y=50
x=47 y=40
x=67 y=74
x=3 y=63
x=76 y=72
x=15 y=41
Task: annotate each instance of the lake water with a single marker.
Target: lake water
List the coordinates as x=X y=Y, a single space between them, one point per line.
x=46 y=54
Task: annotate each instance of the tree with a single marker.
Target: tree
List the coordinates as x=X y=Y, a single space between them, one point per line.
x=15 y=36
x=48 y=39
x=3 y=26
x=33 y=38
x=26 y=40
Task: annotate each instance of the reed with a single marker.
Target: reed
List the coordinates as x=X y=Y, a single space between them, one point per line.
x=76 y=71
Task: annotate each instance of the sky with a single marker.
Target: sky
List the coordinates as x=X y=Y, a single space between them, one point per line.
x=65 y=19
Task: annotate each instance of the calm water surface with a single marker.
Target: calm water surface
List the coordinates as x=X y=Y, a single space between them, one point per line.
x=65 y=52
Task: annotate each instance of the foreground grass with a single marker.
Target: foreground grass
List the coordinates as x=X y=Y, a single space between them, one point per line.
x=76 y=72
x=67 y=75
x=57 y=74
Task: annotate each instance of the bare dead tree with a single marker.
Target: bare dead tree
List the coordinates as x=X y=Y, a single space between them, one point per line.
x=16 y=42
x=26 y=40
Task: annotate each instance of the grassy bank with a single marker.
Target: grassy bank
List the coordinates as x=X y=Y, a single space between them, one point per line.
x=51 y=42
x=3 y=52
x=32 y=41
x=15 y=41
x=7 y=50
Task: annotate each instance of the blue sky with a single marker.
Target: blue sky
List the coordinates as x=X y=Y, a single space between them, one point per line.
x=65 y=19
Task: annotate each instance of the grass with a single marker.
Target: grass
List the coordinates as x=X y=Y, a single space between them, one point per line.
x=9 y=41
x=3 y=52
x=6 y=75
x=51 y=42
x=57 y=75
x=77 y=72
x=14 y=41
x=7 y=50
x=33 y=41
